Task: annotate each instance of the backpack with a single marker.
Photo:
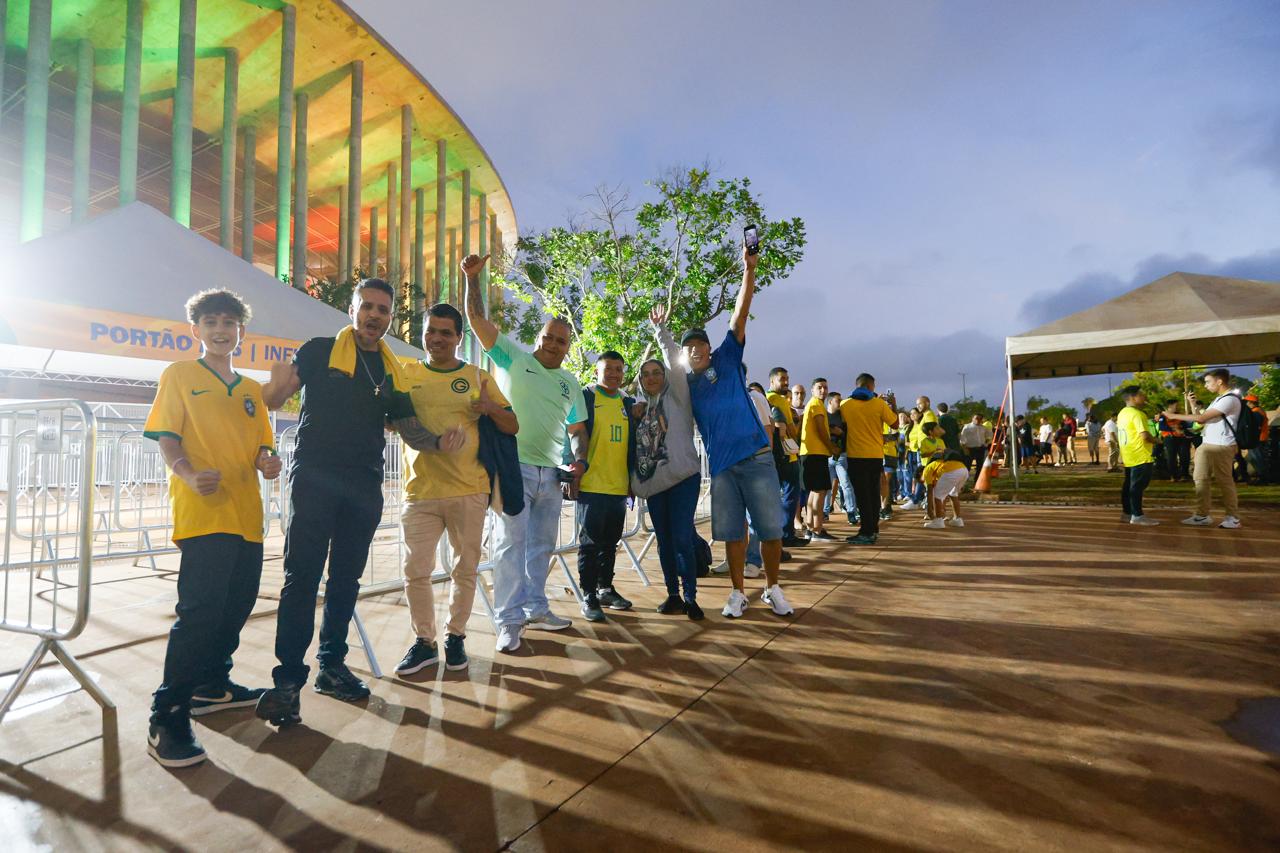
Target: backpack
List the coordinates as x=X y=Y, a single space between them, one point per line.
x=1248 y=428
x=702 y=555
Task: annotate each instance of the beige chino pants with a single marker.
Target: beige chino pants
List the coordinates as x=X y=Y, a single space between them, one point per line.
x=423 y=523
x=1213 y=465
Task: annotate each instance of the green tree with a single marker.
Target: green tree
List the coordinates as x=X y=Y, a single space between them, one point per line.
x=607 y=268
x=965 y=409
x=1268 y=387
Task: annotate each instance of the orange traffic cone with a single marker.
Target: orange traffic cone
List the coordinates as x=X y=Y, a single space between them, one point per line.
x=990 y=471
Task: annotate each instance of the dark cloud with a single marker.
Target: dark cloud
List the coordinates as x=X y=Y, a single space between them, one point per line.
x=1097 y=287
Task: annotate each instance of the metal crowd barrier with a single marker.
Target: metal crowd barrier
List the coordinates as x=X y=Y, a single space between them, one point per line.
x=48 y=494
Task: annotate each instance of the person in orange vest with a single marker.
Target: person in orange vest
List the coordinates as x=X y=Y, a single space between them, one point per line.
x=1176 y=442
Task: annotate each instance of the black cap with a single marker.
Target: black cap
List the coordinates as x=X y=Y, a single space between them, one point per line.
x=695 y=335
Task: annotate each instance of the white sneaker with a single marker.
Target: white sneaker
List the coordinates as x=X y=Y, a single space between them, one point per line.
x=721 y=568
x=508 y=638
x=1198 y=521
x=1230 y=522
x=1125 y=518
x=750 y=571
x=955 y=522
x=1143 y=521
x=735 y=606
x=773 y=597
x=936 y=523
x=909 y=505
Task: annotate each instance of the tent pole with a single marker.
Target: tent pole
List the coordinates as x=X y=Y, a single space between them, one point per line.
x=1013 y=432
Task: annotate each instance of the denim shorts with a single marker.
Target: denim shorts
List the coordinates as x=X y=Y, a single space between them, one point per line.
x=748 y=486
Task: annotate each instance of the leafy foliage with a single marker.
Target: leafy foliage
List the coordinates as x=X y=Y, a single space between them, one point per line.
x=681 y=249
x=1268 y=387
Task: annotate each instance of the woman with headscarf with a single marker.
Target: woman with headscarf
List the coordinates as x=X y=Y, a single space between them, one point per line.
x=668 y=472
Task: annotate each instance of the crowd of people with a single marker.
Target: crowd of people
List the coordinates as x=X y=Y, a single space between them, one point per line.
x=518 y=441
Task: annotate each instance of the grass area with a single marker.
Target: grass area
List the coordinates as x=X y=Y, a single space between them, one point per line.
x=1091 y=485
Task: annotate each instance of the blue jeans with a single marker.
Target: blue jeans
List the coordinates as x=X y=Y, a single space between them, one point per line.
x=840 y=478
x=671 y=512
x=917 y=491
x=753 y=546
x=1136 y=480
x=522 y=548
x=906 y=472
x=747 y=487
x=789 y=480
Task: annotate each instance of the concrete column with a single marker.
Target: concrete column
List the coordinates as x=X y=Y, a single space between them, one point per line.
x=284 y=140
x=406 y=190
x=393 y=238
x=442 y=264
x=419 y=246
x=4 y=13
x=344 y=258
x=35 y=118
x=372 y=271
x=452 y=264
x=354 y=145
x=482 y=213
x=300 y=194
x=249 y=174
x=466 y=212
x=130 y=103
x=180 y=130
x=84 y=129
x=230 y=112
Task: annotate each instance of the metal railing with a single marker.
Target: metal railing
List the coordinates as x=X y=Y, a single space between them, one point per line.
x=48 y=492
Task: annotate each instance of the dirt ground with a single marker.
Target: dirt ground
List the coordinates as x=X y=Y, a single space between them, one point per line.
x=1043 y=679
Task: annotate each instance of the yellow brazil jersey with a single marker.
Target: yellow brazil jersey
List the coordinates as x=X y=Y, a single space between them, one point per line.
x=863 y=426
x=222 y=427
x=815 y=432
x=890 y=443
x=929 y=445
x=442 y=400
x=937 y=468
x=782 y=404
x=607 y=453
x=1133 y=449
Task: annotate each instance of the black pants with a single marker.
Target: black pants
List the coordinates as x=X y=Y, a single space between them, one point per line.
x=217 y=585
x=1136 y=480
x=336 y=512
x=974 y=457
x=864 y=476
x=600 y=520
x=1177 y=457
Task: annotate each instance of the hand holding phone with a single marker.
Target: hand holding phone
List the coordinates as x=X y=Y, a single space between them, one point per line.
x=751 y=239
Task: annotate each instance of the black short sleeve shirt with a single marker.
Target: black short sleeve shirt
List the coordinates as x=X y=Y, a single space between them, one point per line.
x=342 y=420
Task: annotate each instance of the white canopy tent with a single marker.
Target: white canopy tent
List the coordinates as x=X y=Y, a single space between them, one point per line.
x=104 y=302
x=1180 y=320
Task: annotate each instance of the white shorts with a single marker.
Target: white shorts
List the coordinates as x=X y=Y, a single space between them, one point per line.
x=950 y=483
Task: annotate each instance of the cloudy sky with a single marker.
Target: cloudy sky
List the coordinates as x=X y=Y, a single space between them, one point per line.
x=966 y=170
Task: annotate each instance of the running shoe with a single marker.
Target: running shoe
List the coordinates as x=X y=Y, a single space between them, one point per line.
x=1144 y=521
x=860 y=540
x=735 y=606
x=508 y=638
x=773 y=597
x=673 y=605
x=1198 y=521
x=935 y=523
x=822 y=536
x=720 y=568
x=1230 y=522
x=548 y=622
x=280 y=706
x=751 y=570
x=955 y=522
x=591 y=608
x=341 y=683
x=609 y=598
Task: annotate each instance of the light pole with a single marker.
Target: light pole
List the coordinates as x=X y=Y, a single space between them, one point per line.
x=964 y=393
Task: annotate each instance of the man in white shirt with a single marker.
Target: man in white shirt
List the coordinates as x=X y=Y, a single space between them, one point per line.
x=973 y=439
x=1217 y=453
x=1110 y=434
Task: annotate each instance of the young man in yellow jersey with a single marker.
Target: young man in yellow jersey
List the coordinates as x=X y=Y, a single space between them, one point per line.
x=786 y=456
x=1136 y=442
x=816 y=451
x=215 y=436
x=602 y=497
x=446 y=491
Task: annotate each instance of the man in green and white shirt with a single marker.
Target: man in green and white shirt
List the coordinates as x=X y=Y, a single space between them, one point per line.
x=546 y=399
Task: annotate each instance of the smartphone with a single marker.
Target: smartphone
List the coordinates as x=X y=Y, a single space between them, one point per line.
x=751 y=238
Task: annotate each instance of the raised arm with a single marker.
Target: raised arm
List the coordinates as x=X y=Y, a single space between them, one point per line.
x=742 y=310
x=666 y=340
x=484 y=328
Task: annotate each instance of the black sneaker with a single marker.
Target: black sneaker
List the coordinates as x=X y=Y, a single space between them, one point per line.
x=822 y=536
x=785 y=557
x=692 y=610
x=673 y=604
x=886 y=514
x=171 y=742
x=610 y=599
x=341 y=683
x=421 y=654
x=219 y=697
x=280 y=706
x=794 y=542
x=860 y=540
x=591 y=608
x=455 y=654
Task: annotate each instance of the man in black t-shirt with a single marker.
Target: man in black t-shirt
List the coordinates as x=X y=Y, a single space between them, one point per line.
x=336 y=491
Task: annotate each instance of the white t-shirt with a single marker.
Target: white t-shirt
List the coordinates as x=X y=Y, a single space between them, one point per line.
x=972 y=435
x=1109 y=430
x=1046 y=433
x=762 y=406
x=1217 y=432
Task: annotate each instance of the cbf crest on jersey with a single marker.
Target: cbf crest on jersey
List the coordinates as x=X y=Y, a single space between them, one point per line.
x=711 y=374
x=249 y=408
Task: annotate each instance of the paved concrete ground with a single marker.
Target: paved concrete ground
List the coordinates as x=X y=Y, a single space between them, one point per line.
x=1043 y=679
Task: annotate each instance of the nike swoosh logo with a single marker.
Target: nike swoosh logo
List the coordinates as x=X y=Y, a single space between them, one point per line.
x=530 y=370
x=198 y=393
x=225 y=697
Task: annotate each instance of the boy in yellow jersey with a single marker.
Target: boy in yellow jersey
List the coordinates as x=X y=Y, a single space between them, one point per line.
x=929 y=443
x=944 y=477
x=602 y=496
x=888 y=475
x=816 y=451
x=446 y=491
x=215 y=437
x=1136 y=441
